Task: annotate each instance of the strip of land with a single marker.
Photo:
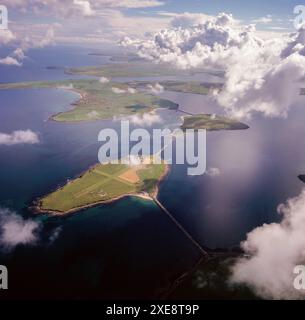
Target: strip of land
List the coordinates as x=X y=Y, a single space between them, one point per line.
x=99 y=101
x=211 y=122
x=136 y=69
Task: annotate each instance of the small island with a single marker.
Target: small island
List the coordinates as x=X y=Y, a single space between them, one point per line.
x=211 y=122
x=104 y=183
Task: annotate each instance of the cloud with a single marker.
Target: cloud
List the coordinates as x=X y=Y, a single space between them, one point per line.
x=19 y=137
x=121 y=91
x=213 y=172
x=117 y=90
x=263 y=20
x=9 y=61
x=85 y=7
x=69 y=8
x=157 y=88
x=6 y=36
x=25 y=42
x=15 y=230
x=185 y=19
x=55 y=235
x=134 y=3
x=197 y=45
x=146 y=119
x=104 y=80
x=274 y=250
x=70 y=86
x=93 y=114
x=261 y=75
x=131 y=90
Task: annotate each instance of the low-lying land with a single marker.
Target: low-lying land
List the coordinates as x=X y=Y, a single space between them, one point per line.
x=100 y=100
x=194 y=87
x=105 y=183
x=211 y=122
x=136 y=69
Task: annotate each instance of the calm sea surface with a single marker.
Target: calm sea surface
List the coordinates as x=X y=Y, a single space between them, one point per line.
x=130 y=248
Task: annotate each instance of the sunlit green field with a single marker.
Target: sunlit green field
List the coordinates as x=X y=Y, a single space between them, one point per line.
x=211 y=123
x=131 y=69
x=103 y=183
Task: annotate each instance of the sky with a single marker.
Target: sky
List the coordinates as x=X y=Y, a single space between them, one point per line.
x=104 y=21
x=255 y=43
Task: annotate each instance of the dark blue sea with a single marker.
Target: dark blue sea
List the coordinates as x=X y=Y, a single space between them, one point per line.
x=130 y=248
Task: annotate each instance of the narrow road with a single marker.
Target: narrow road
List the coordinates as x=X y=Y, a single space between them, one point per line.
x=159 y=204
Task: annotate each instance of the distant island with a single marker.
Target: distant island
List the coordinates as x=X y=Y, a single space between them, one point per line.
x=194 y=87
x=211 y=122
x=137 y=69
x=104 y=183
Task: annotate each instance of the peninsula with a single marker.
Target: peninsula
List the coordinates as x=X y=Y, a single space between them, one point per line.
x=99 y=101
x=211 y=122
x=104 y=183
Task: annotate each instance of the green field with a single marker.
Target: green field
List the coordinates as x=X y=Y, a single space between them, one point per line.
x=103 y=183
x=211 y=123
x=194 y=87
x=99 y=101
x=135 y=69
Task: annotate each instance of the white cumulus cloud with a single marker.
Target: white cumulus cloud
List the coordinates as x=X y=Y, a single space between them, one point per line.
x=104 y=80
x=274 y=250
x=9 y=61
x=19 y=137
x=261 y=75
x=14 y=230
x=146 y=119
x=156 y=88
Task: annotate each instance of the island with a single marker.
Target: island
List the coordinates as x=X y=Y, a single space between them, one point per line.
x=211 y=122
x=194 y=87
x=138 y=69
x=100 y=101
x=105 y=183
